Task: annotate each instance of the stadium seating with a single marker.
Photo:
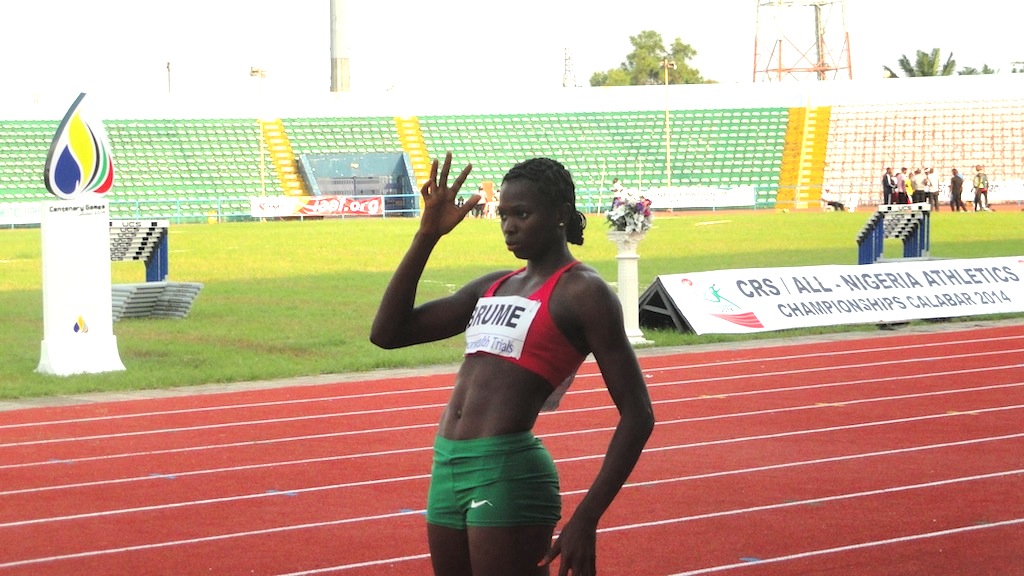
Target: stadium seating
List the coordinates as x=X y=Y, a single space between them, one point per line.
x=23 y=149
x=178 y=169
x=197 y=169
x=865 y=139
x=715 y=148
x=185 y=169
x=342 y=135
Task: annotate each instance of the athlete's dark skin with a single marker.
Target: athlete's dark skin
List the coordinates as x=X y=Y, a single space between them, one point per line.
x=493 y=396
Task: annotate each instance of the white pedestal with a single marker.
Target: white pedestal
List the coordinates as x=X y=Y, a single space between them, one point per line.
x=83 y=354
x=628 y=281
x=78 y=325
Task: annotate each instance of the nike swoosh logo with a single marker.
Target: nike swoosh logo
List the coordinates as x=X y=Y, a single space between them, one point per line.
x=475 y=504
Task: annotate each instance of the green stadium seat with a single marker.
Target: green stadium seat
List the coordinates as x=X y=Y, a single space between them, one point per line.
x=186 y=162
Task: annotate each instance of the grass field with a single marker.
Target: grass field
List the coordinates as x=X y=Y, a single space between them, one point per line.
x=287 y=299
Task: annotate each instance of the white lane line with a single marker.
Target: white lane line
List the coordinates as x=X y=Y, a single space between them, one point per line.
x=713 y=569
x=648 y=450
x=853 y=547
x=357 y=565
x=853 y=402
x=221 y=500
x=662 y=423
x=827 y=385
x=225 y=407
x=792 y=371
x=251 y=405
x=245 y=423
x=240 y=468
x=244 y=443
x=619 y=528
x=441 y=405
x=776 y=435
x=215 y=538
x=822 y=500
x=678 y=479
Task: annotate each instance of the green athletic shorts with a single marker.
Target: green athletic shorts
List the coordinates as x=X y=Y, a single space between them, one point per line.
x=507 y=480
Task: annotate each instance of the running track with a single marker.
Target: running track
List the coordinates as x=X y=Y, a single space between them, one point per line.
x=898 y=454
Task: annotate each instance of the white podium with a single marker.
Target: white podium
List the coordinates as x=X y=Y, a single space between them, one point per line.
x=78 y=325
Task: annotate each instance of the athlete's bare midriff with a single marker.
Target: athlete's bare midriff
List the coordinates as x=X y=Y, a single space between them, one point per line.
x=492 y=397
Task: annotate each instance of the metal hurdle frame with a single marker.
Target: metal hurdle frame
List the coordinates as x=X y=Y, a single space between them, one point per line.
x=910 y=223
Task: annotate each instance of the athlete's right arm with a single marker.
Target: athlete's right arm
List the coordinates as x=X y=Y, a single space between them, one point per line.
x=399 y=322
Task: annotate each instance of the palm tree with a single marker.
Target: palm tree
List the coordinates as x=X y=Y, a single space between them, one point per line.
x=926 y=64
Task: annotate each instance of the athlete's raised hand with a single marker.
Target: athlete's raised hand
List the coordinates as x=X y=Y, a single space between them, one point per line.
x=440 y=213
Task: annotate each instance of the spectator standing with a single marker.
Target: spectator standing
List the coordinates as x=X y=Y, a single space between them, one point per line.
x=901 y=187
x=931 y=189
x=917 y=181
x=888 y=186
x=478 y=208
x=980 y=189
x=956 y=190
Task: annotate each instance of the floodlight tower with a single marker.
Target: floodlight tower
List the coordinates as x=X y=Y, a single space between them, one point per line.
x=340 y=81
x=800 y=39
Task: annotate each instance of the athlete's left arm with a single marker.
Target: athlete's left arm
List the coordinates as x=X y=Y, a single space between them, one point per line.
x=596 y=316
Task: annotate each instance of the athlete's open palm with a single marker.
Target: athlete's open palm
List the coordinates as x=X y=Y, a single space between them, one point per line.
x=440 y=213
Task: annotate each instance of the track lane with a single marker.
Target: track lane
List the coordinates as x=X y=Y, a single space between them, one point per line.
x=702 y=417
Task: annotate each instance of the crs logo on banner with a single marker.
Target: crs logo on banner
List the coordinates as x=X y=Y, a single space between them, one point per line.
x=79 y=161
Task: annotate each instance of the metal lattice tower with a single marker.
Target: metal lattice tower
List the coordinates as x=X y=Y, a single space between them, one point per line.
x=568 y=75
x=801 y=39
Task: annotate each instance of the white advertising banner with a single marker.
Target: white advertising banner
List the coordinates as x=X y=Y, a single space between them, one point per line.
x=664 y=198
x=12 y=213
x=291 y=206
x=764 y=299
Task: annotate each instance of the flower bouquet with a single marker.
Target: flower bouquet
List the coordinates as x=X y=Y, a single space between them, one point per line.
x=629 y=213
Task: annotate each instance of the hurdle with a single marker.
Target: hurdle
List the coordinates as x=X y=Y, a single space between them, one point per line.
x=142 y=240
x=910 y=223
x=147 y=241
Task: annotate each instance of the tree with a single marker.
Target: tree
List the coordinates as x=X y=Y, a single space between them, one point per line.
x=644 y=65
x=926 y=64
x=968 y=71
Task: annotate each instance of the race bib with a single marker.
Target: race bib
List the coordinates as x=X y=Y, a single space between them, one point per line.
x=499 y=325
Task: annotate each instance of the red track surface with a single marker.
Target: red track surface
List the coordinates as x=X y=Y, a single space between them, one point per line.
x=892 y=455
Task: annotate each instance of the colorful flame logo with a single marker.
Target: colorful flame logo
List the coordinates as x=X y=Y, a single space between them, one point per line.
x=79 y=161
x=80 y=326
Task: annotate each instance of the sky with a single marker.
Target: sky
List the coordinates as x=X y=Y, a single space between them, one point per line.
x=146 y=47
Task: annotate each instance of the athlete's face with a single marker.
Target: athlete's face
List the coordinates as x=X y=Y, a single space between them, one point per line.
x=528 y=220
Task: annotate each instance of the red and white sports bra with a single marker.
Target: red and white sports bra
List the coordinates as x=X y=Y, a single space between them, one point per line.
x=520 y=329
